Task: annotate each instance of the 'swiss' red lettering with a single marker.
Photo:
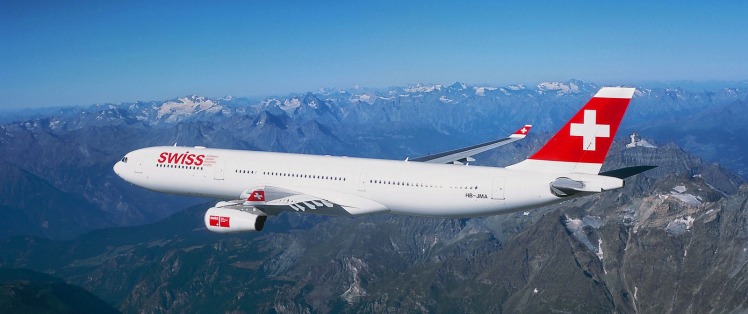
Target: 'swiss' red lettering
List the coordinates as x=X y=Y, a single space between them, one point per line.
x=181 y=159
x=173 y=158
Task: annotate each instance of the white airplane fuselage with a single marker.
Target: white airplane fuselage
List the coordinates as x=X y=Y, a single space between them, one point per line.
x=398 y=187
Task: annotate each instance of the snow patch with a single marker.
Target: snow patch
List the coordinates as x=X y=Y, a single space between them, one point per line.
x=688 y=220
x=363 y=98
x=420 y=88
x=638 y=142
x=577 y=229
x=559 y=87
x=313 y=104
x=186 y=106
x=53 y=124
x=481 y=91
x=573 y=224
x=689 y=199
x=290 y=104
x=680 y=188
x=270 y=102
x=446 y=100
x=680 y=225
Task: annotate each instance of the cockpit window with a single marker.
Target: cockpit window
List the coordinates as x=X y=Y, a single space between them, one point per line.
x=124 y=159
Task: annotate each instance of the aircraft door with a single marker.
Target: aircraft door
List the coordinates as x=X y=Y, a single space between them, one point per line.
x=497 y=190
x=362 y=182
x=219 y=169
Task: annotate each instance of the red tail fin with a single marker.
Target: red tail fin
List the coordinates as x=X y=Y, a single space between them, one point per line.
x=582 y=144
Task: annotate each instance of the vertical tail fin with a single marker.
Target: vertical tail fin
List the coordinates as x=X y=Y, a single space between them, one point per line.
x=583 y=142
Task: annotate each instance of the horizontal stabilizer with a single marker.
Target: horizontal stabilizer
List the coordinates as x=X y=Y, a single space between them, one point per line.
x=627 y=172
x=565 y=187
x=580 y=183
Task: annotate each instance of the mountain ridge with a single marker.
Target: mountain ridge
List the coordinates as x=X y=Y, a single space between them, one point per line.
x=607 y=246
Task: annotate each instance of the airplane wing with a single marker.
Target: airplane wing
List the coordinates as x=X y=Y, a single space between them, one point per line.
x=463 y=155
x=272 y=200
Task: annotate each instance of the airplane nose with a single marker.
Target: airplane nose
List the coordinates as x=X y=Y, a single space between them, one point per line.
x=117 y=168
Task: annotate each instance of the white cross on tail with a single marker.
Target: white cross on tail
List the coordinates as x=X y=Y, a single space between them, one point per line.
x=589 y=130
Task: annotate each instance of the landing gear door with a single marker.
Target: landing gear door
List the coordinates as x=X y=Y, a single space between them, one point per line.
x=497 y=190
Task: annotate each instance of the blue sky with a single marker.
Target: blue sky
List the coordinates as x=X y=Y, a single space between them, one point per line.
x=84 y=52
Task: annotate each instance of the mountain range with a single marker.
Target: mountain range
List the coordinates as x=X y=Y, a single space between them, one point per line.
x=68 y=153
x=673 y=240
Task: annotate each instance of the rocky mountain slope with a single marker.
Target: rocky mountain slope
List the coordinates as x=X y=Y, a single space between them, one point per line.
x=25 y=291
x=672 y=241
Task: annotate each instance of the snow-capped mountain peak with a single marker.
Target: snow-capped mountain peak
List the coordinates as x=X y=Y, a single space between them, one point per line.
x=559 y=87
x=458 y=86
x=637 y=141
x=186 y=106
x=366 y=98
x=481 y=91
x=421 y=88
x=290 y=104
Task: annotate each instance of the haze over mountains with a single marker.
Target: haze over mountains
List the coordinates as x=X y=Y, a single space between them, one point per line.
x=676 y=233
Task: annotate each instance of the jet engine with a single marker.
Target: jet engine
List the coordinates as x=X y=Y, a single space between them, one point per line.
x=228 y=220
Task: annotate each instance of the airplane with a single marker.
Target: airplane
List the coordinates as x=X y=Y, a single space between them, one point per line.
x=254 y=185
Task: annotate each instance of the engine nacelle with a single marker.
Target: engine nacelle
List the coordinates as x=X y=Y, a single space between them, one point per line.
x=227 y=220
